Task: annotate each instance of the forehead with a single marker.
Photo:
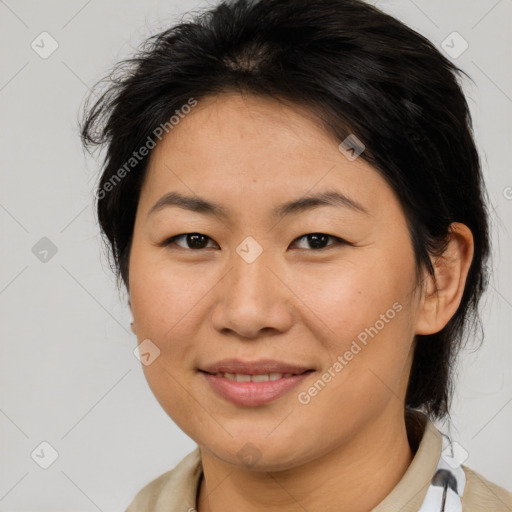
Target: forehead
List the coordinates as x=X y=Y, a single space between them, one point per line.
x=257 y=149
x=233 y=124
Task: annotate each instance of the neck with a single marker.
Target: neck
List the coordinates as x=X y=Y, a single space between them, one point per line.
x=355 y=476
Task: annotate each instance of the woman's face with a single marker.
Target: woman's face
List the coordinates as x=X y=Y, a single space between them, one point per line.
x=251 y=287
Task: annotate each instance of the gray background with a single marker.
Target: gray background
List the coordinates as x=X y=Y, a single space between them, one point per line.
x=67 y=372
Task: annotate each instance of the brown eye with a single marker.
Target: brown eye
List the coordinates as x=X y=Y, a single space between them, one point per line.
x=191 y=240
x=318 y=241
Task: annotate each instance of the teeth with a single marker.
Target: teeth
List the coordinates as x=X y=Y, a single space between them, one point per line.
x=240 y=377
x=260 y=378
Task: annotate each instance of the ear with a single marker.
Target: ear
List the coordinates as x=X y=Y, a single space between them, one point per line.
x=441 y=295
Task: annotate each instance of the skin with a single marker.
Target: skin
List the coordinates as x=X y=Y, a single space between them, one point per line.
x=347 y=448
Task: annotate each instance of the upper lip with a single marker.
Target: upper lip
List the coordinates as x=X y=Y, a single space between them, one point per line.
x=260 y=367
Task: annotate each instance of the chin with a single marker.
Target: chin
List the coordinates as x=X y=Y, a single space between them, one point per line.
x=259 y=452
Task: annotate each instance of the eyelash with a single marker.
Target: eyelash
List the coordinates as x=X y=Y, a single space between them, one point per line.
x=338 y=241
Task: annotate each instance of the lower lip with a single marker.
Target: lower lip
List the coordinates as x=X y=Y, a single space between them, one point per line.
x=251 y=394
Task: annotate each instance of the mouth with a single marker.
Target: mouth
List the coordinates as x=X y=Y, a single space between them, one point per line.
x=261 y=367
x=253 y=384
x=259 y=377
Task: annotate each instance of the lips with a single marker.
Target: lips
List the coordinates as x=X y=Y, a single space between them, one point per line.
x=253 y=384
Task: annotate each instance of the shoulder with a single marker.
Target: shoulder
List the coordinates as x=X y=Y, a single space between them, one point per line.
x=175 y=489
x=482 y=495
x=147 y=497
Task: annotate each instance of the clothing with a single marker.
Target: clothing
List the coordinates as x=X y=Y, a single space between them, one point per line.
x=176 y=490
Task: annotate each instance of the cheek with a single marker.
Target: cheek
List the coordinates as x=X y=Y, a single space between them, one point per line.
x=362 y=313
x=168 y=305
x=162 y=295
x=163 y=302
x=350 y=296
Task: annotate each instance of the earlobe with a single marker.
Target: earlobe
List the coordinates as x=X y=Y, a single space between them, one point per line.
x=132 y=325
x=441 y=295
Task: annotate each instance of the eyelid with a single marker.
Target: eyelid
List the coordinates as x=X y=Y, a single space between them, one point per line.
x=171 y=241
x=338 y=241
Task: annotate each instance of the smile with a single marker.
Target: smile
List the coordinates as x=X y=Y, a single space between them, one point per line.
x=255 y=389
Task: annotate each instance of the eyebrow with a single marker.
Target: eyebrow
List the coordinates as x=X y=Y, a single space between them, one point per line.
x=309 y=202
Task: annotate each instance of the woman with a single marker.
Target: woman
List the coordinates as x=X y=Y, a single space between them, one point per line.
x=294 y=202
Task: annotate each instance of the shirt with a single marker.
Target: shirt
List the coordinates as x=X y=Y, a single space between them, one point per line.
x=176 y=490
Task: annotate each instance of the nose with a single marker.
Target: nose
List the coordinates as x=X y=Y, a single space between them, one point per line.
x=253 y=299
